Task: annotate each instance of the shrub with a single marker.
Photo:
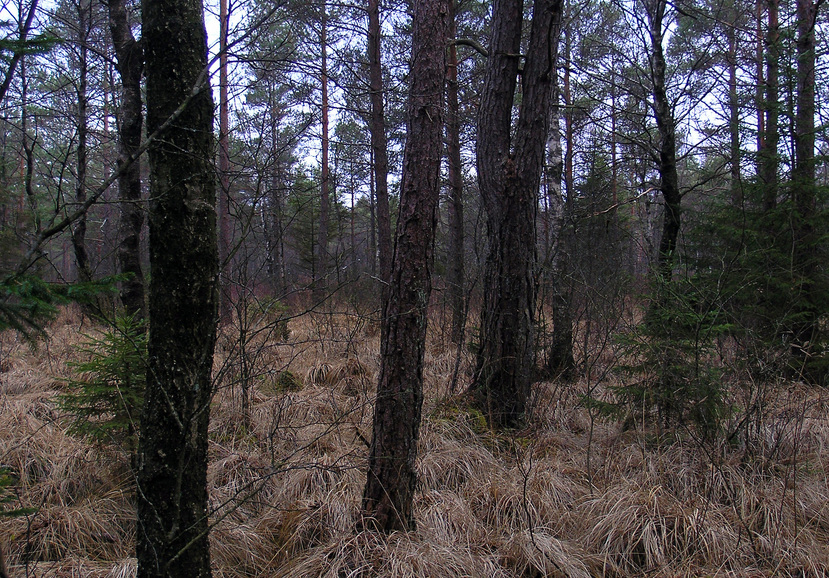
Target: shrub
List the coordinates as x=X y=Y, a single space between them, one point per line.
x=104 y=402
x=668 y=368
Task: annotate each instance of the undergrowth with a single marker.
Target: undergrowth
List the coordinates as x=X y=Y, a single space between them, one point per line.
x=286 y=483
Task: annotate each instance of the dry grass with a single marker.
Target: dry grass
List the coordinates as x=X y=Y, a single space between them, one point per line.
x=286 y=489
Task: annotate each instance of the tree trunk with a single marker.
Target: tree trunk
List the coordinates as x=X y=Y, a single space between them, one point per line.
x=372 y=241
x=455 y=277
x=320 y=283
x=509 y=183
x=803 y=177
x=759 y=94
x=274 y=215
x=130 y=64
x=560 y=361
x=390 y=486
x=667 y=143
x=771 y=110
x=379 y=145
x=734 y=111
x=84 y=272
x=172 y=533
x=225 y=236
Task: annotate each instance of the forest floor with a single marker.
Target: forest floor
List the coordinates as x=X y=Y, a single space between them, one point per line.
x=570 y=495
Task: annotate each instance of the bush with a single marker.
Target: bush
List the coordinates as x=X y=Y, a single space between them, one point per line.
x=104 y=402
x=668 y=369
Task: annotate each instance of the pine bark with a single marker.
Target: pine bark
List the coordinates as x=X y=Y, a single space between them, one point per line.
x=320 y=283
x=273 y=219
x=455 y=274
x=82 y=265
x=509 y=179
x=379 y=145
x=771 y=110
x=734 y=112
x=130 y=64
x=759 y=93
x=225 y=234
x=803 y=175
x=391 y=481
x=172 y=532
x=669 y=177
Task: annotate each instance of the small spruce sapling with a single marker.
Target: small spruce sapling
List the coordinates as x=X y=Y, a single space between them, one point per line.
x=105 y=400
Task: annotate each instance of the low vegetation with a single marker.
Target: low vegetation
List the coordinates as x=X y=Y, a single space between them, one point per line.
x=573 y=494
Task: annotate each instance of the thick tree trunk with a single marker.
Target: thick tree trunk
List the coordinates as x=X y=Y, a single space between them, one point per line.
x=455 y=273
x=172 y=533
x=509 y=184
x=379 y=150
x=667 y=143
x=771 y=110
x=390 y=486
x=130 y=64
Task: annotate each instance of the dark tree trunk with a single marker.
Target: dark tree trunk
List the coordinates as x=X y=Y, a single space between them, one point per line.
x=390 y=486
x=172 y=533
x=760 y=88
x=274 y=215
x=372 y=242
x=82 y=265
x=509 y=183
x=320 y=283
x=377 y=128
x=130 y=62
x=734 y=111
x=455 y=277
x=667 y=142
x=24 y=27
x=614 y=157
x=803 y=176
x=771 y=109
x=225 y=236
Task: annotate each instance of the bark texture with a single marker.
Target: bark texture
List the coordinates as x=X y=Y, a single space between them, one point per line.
x=771 y=110
x=509 y=179
x=560 y=363
x=390 y=486
x=130 y=63
x=455 y=272
x=84 y=271
x=803 y=177
x=663 y=114
x=225 y=227
x=172 y=533
x=734 y=110
x=377 y=128
x=321 y=281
